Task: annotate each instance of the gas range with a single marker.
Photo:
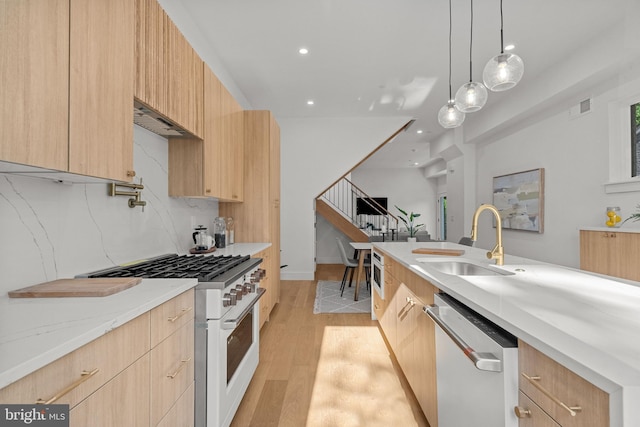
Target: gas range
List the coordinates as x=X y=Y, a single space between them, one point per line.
x=227 y=331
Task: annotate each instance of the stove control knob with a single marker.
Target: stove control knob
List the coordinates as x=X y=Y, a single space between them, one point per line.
x=252 y=286
x=228 y=299
x=240 y=290
x=247 y=288
x=235 y=294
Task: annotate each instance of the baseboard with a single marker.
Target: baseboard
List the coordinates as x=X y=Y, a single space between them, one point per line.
x=297 y=275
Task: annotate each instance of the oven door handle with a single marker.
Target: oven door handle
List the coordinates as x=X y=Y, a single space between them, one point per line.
x=231 y=324
x=482 y=361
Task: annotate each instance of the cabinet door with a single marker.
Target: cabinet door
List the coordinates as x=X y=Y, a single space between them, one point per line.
x=231 y=160
x=149 y=87
x=388 y=320
x=547 y=379
x=406 y=323
x=531 y=415
x=212 y=134
x=184 y=80
x=34 y=82
x=610 y=252
x=123 y=401
x=101 y=88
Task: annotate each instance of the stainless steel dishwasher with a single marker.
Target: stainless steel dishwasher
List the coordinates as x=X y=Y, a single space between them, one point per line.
x=476 y=365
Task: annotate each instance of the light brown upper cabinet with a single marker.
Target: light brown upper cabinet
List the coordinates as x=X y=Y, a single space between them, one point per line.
x=168 y=72
x=34 y=81
x=66 y=84
x=101 y=88
x=212 y=167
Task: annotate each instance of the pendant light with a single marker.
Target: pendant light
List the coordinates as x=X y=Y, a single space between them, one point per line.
x=449 y=116
x=473 y=95
x=505 y=70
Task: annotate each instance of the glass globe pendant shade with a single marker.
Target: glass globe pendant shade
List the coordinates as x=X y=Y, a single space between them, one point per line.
x=449 y=116
x=471 y=97
x=503 y=72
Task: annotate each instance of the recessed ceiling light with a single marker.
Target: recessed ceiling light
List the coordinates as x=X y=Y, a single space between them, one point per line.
x=419 y=131
x=310 y=102
x=303 y=51
x=415 y=163
x=509 y=47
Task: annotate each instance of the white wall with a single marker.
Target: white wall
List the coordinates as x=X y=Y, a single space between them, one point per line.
x=406 y=188
x=314 y=154
x=51 y=231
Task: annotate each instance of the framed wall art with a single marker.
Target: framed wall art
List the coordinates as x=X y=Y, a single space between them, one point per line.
x=519 y=197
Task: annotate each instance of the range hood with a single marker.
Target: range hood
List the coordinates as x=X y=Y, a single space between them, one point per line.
x=154 y=122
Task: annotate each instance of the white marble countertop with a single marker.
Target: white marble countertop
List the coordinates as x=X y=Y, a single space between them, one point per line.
x=612 y=229
x=241 y=249
x=588 y=322
x=37 y=331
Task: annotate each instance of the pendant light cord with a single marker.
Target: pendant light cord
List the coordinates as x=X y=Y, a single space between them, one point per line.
x=450 y=95
x=501 y=30
x=471 y=47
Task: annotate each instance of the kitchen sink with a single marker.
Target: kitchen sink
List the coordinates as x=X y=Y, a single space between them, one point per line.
x=461 y=268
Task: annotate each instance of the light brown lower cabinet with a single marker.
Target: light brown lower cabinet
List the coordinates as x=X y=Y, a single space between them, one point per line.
x=610 y=252
x=531 y=415
x=122 y=401
x=123 y=378
x=410 y=333
x=557 y=391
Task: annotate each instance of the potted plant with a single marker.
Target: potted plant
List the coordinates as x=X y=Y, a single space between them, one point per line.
x=408 y=222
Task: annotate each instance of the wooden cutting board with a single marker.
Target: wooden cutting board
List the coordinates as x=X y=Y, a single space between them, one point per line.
x=98 y=287
x=428 y=251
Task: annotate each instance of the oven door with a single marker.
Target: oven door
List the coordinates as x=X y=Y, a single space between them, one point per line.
x=232 y=359
x=377 y=276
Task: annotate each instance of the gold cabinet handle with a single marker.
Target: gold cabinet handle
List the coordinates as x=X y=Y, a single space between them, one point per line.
x=183 y=363
x=179 y=315
x=411 y=301
x=573 y=410
x=522 y=412
x=84 y=376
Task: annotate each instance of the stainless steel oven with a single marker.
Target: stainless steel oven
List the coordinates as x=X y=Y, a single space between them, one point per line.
x=377 y=275
x=227 y=328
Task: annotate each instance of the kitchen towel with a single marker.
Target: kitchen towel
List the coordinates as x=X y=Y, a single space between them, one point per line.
x=328 y=299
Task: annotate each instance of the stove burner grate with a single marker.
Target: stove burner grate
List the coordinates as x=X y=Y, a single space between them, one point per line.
x=205 y=269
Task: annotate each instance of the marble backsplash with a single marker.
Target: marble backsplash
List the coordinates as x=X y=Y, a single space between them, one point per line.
x=51 y=230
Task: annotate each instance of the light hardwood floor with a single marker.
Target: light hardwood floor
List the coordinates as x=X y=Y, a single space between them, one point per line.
x=325 y=369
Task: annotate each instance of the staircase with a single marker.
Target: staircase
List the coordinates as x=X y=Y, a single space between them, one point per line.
x=338 y=205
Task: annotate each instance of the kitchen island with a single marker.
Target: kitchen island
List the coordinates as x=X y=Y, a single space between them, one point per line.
x=587 y=322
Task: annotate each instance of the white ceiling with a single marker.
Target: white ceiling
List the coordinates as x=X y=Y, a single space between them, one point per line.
x=385 y=58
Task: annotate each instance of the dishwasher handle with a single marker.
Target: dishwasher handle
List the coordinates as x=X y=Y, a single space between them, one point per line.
x=482 y=361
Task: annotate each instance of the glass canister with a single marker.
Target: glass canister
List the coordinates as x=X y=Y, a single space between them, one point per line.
x=220 y=232
x=230 y=234
x=613 y=216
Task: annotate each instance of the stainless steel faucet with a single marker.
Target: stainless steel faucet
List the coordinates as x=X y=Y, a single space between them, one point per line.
x=498 y=251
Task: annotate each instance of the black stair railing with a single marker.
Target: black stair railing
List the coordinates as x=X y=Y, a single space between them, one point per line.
x=344 y=196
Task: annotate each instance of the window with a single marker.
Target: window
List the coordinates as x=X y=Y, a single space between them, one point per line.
x=635 y=139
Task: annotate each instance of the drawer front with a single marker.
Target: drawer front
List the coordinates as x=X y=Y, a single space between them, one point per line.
x=123 y=401
x=551 y=385
x=171 y=316
x=171 y=370
x=81 y=372
x=378 y=305
x=181 y=414
x=531 y=415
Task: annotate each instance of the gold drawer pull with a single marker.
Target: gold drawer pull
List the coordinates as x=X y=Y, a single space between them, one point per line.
x=84 y=376
x=183 y=363
x=573 y=410
x=522 y=412
x=179 y=315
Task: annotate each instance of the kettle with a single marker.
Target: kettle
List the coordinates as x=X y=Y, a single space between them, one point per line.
x=202 y=240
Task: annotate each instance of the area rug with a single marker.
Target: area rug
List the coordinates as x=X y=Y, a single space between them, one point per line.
x=328 y=299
